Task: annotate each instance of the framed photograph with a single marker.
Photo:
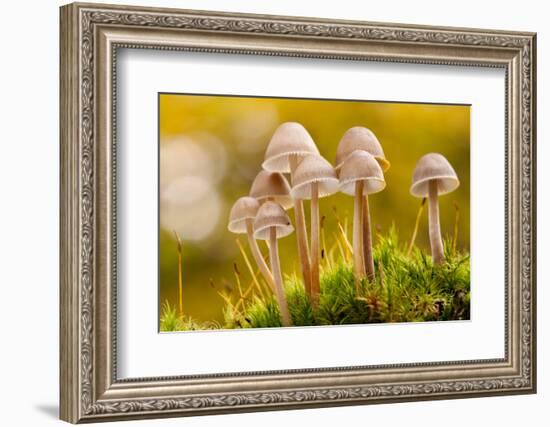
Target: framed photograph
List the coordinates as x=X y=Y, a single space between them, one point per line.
x=264 y=212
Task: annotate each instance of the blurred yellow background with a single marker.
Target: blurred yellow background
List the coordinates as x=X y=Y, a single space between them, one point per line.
x=212 y=147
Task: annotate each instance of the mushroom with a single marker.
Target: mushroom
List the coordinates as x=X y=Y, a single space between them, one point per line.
x=361 y=175
x=314 y=178
x=290 y=140
x=271 y=186
x=361 y=138
x=273 y=223
x=432 y=177
x=241 y=221
x=288 y=145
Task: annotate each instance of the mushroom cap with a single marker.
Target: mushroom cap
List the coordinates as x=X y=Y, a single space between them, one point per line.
x=271 y=185
x=360 y=138
x=289 y=138
x=270 y=215
x=433 y=166
x=361 y=166
x=312 y=169
x=244 y=208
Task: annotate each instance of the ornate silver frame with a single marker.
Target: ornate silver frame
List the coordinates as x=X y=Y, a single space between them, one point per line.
x=90 y=36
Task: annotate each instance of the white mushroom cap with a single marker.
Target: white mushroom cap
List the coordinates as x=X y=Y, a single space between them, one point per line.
x=433 y=166
x=244 y=208
x=271 y=215
x=289 y=138
x=361 y=166
x=360 y=138
x=314 y=169
x=271 y=185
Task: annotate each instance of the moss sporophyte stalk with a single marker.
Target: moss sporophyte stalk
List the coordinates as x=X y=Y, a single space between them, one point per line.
x=374 y=279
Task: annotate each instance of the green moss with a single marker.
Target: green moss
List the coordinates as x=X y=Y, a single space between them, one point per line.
x=406 y=289
x=170 y=321
x=262 y=314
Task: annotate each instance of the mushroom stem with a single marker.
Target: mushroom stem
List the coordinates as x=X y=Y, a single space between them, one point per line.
x=315 y=244
x=357 y=232
x=367 y=240
x=301 y=232
x=258 y=255
x=436 y=242
x=276 y=267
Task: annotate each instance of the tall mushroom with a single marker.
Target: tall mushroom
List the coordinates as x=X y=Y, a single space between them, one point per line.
x=432 y=177
x=288 y=145
x=361 y=175
x=271 y=186
x=314 y=178
x=272 y=223
x=241 y=221
x=361 y=138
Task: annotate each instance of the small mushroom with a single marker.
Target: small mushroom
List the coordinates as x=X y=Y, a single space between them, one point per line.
x=273 y=223
x=432 y=177
x=241 y=221
x=290 y=140
x=288 y=146
x=271 y=186
x=360 y=138
x=361 y=175
x=314 y=178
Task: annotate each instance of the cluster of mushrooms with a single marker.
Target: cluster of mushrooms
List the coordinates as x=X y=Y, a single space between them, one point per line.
x=359 y=172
